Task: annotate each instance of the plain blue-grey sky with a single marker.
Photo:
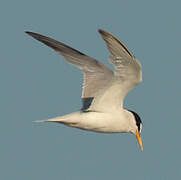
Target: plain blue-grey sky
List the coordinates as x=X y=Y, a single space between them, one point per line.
x=36 y=83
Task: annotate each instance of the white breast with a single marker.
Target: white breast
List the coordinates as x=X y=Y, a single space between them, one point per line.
x=103 y=122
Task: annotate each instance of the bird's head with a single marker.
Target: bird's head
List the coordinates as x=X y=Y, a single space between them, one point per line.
x=137 y=127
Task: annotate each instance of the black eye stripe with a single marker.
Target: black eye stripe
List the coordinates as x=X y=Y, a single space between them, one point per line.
x=137 y=119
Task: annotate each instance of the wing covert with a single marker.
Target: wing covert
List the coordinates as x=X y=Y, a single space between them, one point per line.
x=127 y=75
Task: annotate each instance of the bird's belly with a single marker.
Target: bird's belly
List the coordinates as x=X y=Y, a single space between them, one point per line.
x=102 y=122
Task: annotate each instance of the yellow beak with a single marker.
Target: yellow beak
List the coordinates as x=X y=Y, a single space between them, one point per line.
x=139 y=139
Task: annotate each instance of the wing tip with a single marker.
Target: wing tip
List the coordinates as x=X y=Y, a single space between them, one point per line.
x=105 y=35
x=34 y=35
x=29 y=33
x=102 y=32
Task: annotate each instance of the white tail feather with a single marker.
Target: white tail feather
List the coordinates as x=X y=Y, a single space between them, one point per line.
x=37 y=121
x=69 y=118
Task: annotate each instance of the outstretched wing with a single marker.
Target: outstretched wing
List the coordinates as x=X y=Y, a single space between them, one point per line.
x=96 y=74
x=127 y=74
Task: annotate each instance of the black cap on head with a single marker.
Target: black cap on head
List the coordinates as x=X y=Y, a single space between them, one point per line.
x=137 y=119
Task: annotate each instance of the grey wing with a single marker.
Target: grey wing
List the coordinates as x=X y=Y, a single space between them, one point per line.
x=127 y=74
x=96 y=74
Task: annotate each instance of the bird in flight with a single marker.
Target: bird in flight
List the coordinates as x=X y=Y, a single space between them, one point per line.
x=103 y=90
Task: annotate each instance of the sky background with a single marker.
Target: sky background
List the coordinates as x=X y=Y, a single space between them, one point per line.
x=35 y=83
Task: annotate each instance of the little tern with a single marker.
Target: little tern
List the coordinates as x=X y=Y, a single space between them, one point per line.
x=103 y=90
